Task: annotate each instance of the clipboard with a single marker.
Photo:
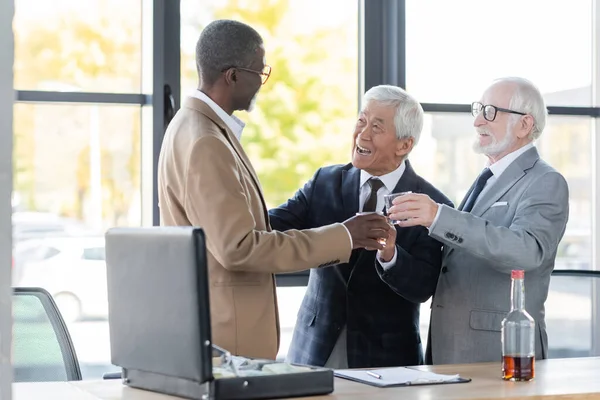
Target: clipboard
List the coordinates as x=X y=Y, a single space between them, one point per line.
x=398 y=376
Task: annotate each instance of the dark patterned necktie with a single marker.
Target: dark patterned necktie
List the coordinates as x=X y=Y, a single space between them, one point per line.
x=479 y=185
x=371 y=203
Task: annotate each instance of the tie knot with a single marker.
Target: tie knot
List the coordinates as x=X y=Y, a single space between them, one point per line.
x=485 y=175
x=375 y=184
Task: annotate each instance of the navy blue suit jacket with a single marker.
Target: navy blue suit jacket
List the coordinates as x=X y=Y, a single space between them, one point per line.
x=380 y=308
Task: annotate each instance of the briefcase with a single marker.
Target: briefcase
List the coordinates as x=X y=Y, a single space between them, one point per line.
x=160 y=332
x=313 y=381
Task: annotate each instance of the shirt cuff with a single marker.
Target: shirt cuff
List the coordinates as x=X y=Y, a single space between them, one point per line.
x=350 y=236
x=437 y=216
x=389 y=264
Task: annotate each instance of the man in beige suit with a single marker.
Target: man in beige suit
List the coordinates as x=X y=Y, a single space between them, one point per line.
x=205 y=179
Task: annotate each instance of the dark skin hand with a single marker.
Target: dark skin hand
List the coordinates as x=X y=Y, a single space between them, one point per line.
x=366 y=229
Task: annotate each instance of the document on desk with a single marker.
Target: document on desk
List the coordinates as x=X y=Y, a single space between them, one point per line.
x=399 y=376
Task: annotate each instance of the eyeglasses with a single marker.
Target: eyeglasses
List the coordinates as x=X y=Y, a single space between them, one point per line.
x=264 y=74
x=490 y=111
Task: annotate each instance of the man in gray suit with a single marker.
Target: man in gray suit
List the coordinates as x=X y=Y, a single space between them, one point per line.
x=513 y=217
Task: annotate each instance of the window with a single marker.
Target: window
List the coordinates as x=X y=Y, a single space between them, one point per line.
x=71 y=46
x=29 y=251
x=78 y=163
x=451 y=60
x=77 y=167
x=94 y=253
x=568 y=316
x=80 y=132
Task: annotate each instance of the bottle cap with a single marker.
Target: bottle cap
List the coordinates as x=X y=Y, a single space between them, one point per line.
x=517 y=274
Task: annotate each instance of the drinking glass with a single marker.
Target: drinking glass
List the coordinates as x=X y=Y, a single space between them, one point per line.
x=389 y=198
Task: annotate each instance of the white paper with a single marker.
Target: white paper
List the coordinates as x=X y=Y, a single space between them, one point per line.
x=395 y=376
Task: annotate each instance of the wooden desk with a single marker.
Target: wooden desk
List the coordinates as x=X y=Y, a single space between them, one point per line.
x=575 y=378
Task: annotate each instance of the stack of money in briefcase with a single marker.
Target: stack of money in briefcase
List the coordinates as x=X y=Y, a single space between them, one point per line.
x=232 y=378
x=244 y=378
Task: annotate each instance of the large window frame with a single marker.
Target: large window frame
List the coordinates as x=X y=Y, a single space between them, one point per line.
x=160 y=88
x=158 y=99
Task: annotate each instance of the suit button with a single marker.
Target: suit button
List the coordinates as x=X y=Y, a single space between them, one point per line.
x=449 y=235
x=444 y=269
x=460 y=240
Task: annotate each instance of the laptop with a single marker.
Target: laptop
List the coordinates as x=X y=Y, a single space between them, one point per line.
x=160 y=331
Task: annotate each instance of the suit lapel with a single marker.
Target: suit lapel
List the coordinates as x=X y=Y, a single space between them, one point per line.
x=464 y=200
x=205 y=109
x=507 y=180
x=350 y=191
x=515 y=171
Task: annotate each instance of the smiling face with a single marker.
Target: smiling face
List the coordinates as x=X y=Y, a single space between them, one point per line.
x=376 y=148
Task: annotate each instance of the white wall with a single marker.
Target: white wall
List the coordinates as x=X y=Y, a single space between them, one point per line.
x=6 y=138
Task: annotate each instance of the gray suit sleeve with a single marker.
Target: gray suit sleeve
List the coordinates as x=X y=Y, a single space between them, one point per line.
x=530 y=240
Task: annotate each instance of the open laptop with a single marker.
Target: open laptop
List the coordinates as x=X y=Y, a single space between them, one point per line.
x=160 y=332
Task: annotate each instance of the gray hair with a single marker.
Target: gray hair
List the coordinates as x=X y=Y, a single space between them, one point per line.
x=528 y=99
x=409 y=113
x=223 y=44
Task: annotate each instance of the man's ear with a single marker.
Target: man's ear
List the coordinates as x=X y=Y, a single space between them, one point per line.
x=404 y=146
x=230 y=76
x=525 y=125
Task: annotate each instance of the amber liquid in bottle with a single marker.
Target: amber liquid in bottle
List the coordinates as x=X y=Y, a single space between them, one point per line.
x=518 y=368
x=518 y=335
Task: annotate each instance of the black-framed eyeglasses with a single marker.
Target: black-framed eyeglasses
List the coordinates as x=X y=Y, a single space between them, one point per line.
x=490 y=111
x=264 y=74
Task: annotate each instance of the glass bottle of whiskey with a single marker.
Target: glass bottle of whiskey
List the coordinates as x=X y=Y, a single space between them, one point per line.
x=518 y=335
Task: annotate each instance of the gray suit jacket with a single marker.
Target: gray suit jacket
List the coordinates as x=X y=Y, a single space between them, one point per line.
x=516 y=224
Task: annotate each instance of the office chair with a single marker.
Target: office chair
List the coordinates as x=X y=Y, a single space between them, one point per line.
x=42 y=347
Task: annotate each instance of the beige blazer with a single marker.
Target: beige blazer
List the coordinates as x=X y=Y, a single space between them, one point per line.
x=205 y=179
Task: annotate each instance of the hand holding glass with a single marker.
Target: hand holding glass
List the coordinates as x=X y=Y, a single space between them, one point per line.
x=382 y=241
x=389 y=202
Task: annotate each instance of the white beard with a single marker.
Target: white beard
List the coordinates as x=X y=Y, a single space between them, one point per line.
x=496 y=147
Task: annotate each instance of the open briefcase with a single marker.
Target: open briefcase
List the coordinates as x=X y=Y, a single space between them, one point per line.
x=160 y=330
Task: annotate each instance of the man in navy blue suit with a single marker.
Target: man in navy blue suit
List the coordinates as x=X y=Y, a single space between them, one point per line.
x=366 y=313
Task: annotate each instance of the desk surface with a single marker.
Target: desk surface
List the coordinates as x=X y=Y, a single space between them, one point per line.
x=575 y=378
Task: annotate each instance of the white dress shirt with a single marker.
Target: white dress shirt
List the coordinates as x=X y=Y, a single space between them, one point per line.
x=389 y=183
x=234 y=123
x=339 y=355
x=497 y=169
